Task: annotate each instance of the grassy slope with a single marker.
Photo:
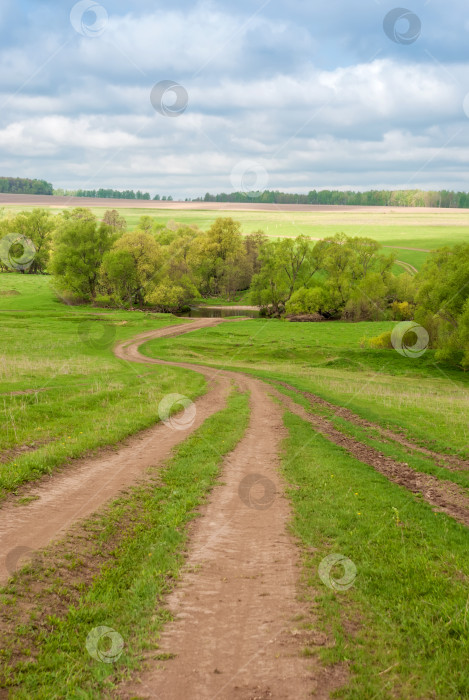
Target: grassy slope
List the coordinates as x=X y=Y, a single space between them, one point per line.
x=140 y=541
x=86 y=397
x=428 y=401
x=402 y=626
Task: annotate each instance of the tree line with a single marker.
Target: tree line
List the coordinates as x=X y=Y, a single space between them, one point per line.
x=103 y=193
x=372 y=198
x=167 y=266
x=22 y=185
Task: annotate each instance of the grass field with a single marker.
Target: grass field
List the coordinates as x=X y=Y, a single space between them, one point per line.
x=400 y=629
x=429 y=401
x=402 y=626
x=134 y=549
x=62 y=391
x=396 y=228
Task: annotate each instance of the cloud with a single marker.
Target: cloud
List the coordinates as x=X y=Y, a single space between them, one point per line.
x=317 y=94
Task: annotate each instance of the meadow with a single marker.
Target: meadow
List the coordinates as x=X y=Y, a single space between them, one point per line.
x=397 y=229
x=428 y=401
x=400 y=630
x=63 y=393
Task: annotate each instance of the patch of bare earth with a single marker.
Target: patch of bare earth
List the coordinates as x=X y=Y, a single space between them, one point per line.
x=12 y=453
x=444 y=496
x=57 y=576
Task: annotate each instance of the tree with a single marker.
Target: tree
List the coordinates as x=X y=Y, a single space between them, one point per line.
x=220 y=260
x=37 y=226
x=130 y=269
x=285 y=267
x=79 y=246
x=443 y=302
x=145 y=223
x=115 y=221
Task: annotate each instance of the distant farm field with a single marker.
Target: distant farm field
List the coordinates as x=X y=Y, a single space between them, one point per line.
x=395 y=228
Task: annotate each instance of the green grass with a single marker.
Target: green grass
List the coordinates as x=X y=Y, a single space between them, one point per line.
x=429 y=402
x=393 y=227
x=81 y=397
x=139 y=540
x=402 y=626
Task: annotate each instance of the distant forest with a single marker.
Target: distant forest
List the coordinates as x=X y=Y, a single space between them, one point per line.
x=112 y=194
x=105 y=194
x=376 y=198
x=22 y=185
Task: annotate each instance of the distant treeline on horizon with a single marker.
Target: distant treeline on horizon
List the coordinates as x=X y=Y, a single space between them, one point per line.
x=111 y=194
x=376 y=198
x=22 y=185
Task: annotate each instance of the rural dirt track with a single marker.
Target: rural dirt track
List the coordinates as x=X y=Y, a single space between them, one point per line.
x=81 y=489
x=237 y=631
x=234 y=634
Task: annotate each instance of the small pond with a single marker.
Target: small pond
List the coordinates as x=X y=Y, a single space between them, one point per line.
x=220 y=312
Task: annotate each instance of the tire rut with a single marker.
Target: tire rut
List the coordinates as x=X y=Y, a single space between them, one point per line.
x=444 y=496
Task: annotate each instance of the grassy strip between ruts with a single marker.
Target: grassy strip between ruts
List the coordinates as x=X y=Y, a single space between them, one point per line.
x=372 y=438
x=137 y=547
x=403 y=624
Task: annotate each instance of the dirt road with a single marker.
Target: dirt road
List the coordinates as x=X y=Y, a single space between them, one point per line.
x=79 y=490
x=235 y=633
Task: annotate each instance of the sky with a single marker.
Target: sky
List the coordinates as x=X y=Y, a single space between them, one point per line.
x=185 y=98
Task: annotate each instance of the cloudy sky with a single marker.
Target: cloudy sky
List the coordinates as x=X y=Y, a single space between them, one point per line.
x=290 y=95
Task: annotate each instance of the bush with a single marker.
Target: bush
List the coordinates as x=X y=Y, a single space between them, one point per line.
x=402 y=311
x=379 y=342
